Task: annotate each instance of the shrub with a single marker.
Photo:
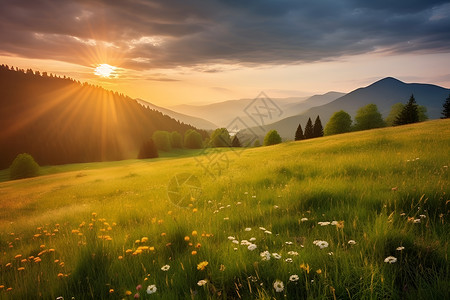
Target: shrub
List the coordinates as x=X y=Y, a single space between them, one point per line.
x=162 y=140
x=272 y=138
x=23 y=166
x=193 y=139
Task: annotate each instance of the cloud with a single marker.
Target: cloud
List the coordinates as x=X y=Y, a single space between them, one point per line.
x=145 y=34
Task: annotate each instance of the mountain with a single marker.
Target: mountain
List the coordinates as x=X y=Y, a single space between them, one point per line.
x=384 y=93
x=196 y=122
x=59 y=120
x=223 y=113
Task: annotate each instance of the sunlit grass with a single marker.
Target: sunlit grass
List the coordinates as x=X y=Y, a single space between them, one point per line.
x=101 y=230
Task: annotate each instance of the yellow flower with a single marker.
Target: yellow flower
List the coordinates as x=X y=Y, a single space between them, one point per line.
x=319 y=271
x=194 y=233
x=18 y=256
x=194 y=252
x=305 y=267
x=60 y=275
x=120 y=257
x=198 y=245
x=21 y=269
x=128 y=293
x=144 y=239
x=195 y=210
x=201 y=266
x=111 y=291
x=186 y=238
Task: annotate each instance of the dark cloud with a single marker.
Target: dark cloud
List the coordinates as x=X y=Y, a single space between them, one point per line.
x=145 y=34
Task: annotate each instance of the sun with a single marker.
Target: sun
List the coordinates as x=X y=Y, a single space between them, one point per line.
x=106 y=71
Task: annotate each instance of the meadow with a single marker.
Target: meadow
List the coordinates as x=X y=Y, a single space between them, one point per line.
x=362 y=215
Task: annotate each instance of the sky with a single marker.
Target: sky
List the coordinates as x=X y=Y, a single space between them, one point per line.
x=172 y=52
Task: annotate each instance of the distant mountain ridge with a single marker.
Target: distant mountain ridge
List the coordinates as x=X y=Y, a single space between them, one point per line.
x=222 y=113
x=194 y=121
x=384 y=93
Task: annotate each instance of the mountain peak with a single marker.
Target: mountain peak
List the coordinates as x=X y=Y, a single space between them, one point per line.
x=388 y=80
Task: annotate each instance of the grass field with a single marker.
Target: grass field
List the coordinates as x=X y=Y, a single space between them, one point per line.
x=314 y=219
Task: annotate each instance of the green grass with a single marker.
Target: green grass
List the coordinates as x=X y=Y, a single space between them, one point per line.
x=373 y=183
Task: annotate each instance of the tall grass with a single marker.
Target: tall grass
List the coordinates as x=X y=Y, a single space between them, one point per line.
x=102 y=232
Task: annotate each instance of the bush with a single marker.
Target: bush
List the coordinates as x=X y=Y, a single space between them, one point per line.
x=272 y=138
x=220 y=138
x=193 y=139
x=148 y=150
x=23 y=166
x=162 y=140
x=340 y=122
x=176 y=140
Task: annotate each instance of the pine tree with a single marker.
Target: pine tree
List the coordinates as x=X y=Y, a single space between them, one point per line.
x=235 y=142
x=409 y=114
x=446 y=110
x=299 y=133
x=318 y=128
x=309 y=130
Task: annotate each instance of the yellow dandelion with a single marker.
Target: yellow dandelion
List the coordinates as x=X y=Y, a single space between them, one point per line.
x=128 y=293
x=24 y=260
x=195 y=210
x=120 y=257
x=194 y=233
x=319 y=271
x=198 y=245
x=128 y=251
x=201 y=266
x=60 y=275
x=151 y=248
x=111 y=291
x=144 y=239
x=163 y=234
x=186 y=238
x=194 y=252
x=21 y=269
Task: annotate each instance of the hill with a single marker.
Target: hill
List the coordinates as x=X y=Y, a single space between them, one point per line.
x=359 y=215
x=223 y=113
x=59 y=120
x=384 y=93
x=196 y=122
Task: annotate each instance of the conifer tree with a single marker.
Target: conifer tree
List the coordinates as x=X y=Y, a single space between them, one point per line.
x=235 y=142
x=318 y=128
x=446 y=110
x=409 y=114
x=299 y=133
x=309 y=130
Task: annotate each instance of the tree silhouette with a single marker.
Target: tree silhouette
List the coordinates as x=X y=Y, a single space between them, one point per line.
x=446 y=110
x=299 y=133
x=409 y=114
x=235 y=142
x=309 y=129
x=318 y=128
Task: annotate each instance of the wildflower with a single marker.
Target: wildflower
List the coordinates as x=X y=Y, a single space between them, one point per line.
x=330 y=253
x=138 y=287
x=268 y=232
x=194 y=252
x=304 y=219
x=21 y=269
x=111 y=291
x=60 y=275
x=128 y=293
x=265 y=255
x=323 y=223
x=120 y=257
x=235 y=242
x=288 y=260
x=245 y=243
x=165 y=268
x=293 y=278
x=334 y=223
x=201 y=266
x=276 y=255
x=144 y=239
x=252 y=247
x=136 y=296
x=278 y=285
x=18 y=256
x=288 y=243
x=422 y=216
x=151 y=289
x=390 y=259
x=293 y=253
x=400 y=248
x=195 y=210
x=305 y=267
x=417 y=221
x=275 y=206
x=231 y=238
x=194 y=233
x=252 y=239
x=202 y=282
x=248 y=229
x=321 y=244
x=262 y=228
x=226 y=218
x=319 y=271
x=186 y=238
x=351 y=242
